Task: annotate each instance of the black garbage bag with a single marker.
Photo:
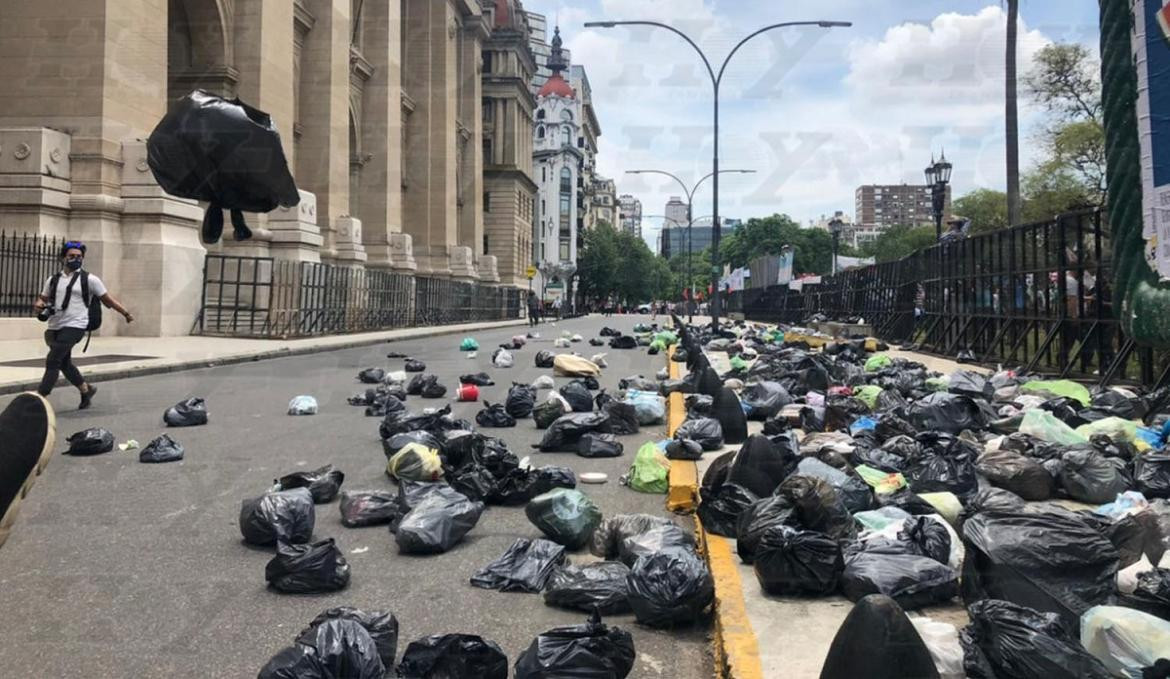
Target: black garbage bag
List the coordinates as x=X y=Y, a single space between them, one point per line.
x=818 y=505
x=286 y=515
x=431 y=388
x=1151 y=473
x=474 y=481
x=400 y=440
x=382 y=627
x=162 y=449
x=763 y=514
x=893 y=423
x=601 y=585
x=413 y=365
x=566 y=516
x=719 y=511
x=565 y=433
x=188 y=413
x=544 y=358
x=991 y=499
x=764 y=399
x=222 y=152
x=415 y=386
x=494 y=416
x=611 y=534
x=760 y=465
x=1066 y=410
x=398 y=422
x=729 y=412
x=698 y=404
x=345 y=648
x=855 y=493
x=1017 y=473
x=323 y=483
x=480 y=379
x=812 y=419
x=293 y=662
x=969 y=383
x=931 y=473
x=601 y=399
x=1111 y=403
x=705 y=431
x=588 y=651
x=944 y=412
x=670 y=588
x=892 y=456
x=1053 y=560
x=913 y=581
x=1089 y=476
x=547 y=412
x=928 y=538
x=521 y=400
x=452 y=656
x=518 y=486
x=1016 y=641
x=1152 y=594
x=371 y=376
x=878 y=641
x=385 y=406
x=623 y=342
x=684 y=449
x=679 y=355
x=664 y=538
x=888 y=400
x=525 y=567
x=590 y=382
x=367 y=507
x=90 y=442
x=438 y=522
x=623 y=417
x=1133 y=535
x=599 y=445
x=841 y=411
x=578 y=397
x=307 y=568
x=791 y=561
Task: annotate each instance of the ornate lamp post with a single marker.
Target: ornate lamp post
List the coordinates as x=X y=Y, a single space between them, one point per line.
x=938 y=175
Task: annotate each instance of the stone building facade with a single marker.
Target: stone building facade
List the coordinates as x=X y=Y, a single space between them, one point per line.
x=381 y=109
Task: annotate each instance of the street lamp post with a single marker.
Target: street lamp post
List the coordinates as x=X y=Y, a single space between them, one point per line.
x=716 y=80
x=835 y=229
x=938 y=175
x=690 y=193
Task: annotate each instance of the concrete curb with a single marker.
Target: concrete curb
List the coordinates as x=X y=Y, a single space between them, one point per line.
x=736 y=650
x=247 y=357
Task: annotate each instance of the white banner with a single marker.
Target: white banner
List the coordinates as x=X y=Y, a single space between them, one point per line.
x=1151 y=47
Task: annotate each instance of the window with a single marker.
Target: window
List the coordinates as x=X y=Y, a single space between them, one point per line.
x=485 y=244
x=567 y=115
x=568 y=135
x=543 y=173
x=487 y=151
x=566 y=180
x=487 y=62
x=566 y=211
x=540 y=131
x=487 y=204
x=540 y=114
x=580 y=142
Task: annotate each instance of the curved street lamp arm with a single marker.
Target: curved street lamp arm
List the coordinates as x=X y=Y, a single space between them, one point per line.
x=824 y=24
x=712 y=174
x=672 y=29
x=689 y=194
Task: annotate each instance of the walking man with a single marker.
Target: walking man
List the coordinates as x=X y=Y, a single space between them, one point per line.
x=65 y=303
x=533 y=309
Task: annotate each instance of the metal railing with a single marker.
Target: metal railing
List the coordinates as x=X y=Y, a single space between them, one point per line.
x=1036 y=296
x=266 y=297
x=26 y=262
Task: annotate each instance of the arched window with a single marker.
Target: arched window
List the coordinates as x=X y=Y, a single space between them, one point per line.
x=567 y=116
x=568 y=135
x=540 y=114
x=540 y=132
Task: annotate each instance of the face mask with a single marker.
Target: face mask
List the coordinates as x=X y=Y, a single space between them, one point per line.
x=73 y=264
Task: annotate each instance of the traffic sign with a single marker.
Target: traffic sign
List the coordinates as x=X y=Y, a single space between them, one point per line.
x=531 y=272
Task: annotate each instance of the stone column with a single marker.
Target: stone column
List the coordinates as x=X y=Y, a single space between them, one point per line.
x=35 y=181
x=295 y=234
x=322 y=165
x=470 y=127
x=379 y=205
x=429 y=214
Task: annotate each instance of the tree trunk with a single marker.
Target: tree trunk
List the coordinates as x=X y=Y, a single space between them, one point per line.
x=1011 y=116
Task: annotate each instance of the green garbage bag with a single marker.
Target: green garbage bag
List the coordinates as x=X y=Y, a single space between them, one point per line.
x=877 y=362
x=938 y=383
x=658 y=346
x=1046 y=427
x=777 y=337
x=1057 y=388
x=468 y=344
x=868 y=395
x=668 y=337
x=649 y=471
x=738 y=363
x=566 y=515
x=642 y=327
x=1113 y=427
x=882 y=483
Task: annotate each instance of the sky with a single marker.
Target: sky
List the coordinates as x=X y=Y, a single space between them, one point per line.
x=815 y=112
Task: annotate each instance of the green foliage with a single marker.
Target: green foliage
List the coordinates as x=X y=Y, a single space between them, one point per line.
x=813 y=248
x=617 y=264
x=986 y=208
x=897 y=242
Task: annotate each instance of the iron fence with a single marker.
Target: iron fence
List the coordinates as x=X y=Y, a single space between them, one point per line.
x=1036 y=296
x=266 y=297
x=26 y=262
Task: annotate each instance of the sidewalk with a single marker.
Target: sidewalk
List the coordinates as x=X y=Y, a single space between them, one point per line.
x=756 y=634
x=111 y=358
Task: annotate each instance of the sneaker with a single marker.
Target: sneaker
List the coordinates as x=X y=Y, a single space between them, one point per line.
x=28 y=429
x=87 y=397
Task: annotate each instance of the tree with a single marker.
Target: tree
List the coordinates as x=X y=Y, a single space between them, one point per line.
x=1066 y=82
x=986 y=208
x=897 y=242
x=813 y=248
x=598 y=262
x=1011 y=115
x=618 y=264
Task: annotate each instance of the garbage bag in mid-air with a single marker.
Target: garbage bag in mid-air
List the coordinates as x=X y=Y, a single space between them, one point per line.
x=225 y=153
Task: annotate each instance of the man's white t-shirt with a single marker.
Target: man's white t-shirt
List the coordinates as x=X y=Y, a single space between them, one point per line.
x=76 y=315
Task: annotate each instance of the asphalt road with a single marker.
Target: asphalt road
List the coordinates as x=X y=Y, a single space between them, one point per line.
x=122 y=569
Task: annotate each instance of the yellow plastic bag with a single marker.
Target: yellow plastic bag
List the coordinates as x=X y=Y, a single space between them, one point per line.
x=415 y=462
x=567 y=365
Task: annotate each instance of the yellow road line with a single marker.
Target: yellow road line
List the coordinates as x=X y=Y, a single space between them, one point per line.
x=683 y=494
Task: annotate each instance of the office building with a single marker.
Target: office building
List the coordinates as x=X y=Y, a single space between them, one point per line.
x=896 y=204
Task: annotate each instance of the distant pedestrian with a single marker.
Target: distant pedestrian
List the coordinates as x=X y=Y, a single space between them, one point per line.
x=957 y=228
x=557 y=308
x=533 y=309
x=64 y=303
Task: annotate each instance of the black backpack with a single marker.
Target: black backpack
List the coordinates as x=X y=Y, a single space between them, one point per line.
x=93 y=304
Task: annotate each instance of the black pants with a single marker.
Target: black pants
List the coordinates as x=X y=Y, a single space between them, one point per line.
x=60 y=358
